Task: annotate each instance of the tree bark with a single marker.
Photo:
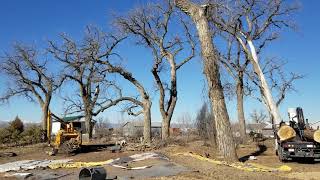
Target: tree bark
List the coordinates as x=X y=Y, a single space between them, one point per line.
x=167 y=116
x=210 y=57
x=165 y=129
x=88 y=123
x=224 y=137
x=240 y=108
x=45 y=112
x=147 y=121
x=45 y=109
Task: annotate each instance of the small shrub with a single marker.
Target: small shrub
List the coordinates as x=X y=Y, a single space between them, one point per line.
x=12 y=135
x=5 y=136
x=32 y=134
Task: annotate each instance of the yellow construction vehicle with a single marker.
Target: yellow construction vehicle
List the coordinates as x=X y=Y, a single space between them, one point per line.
x=71 y=136
x=68 y=139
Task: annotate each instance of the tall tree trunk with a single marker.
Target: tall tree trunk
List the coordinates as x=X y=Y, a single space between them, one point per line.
x=45 y=109
x=147 y=121
x=266 y=93
x=165 y=129
x=224 y=138
x=166 y=117
x=88 y=122
x=167 y=112
x=210 y=57
x=240 y=109
x=45 y=113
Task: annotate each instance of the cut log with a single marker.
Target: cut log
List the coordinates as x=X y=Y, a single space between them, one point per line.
x=312 y=135
x=286 y=133
x=316 y=136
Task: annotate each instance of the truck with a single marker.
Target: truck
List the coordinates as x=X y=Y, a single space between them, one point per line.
x=301 y=146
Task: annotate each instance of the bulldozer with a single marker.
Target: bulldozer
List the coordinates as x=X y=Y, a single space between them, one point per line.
x=72 y=137
x=68 y=139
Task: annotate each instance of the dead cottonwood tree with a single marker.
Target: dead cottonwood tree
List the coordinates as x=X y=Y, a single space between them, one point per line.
x=98 y=51
x=254 y=24
x=224 y=139
x=95 y=92
x=153 y=26
x=143 y=101
x=30 y=77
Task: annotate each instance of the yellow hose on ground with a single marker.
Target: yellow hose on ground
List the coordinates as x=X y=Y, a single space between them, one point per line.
x=253 y=167
x=78 y=164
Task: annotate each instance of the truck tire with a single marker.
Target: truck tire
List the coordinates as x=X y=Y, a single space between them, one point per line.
x=280 y=155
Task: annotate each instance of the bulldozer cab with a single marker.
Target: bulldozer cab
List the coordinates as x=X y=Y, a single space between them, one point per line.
x=72 y=126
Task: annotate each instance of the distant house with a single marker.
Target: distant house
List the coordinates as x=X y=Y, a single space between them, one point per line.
x=264 y=128
x=135 y=129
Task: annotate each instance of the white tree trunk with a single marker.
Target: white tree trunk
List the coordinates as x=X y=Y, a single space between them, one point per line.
x=264 y=85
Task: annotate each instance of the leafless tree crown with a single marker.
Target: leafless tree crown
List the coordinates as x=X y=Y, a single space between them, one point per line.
x=28 y=74
x=97 y=90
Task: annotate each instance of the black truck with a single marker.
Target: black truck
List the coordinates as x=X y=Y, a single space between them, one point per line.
x=300 y=146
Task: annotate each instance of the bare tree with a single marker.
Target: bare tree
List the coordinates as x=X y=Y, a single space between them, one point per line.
x=224 y=139
x=82 y=67
x=254 y=23
x=102 y=127
x=258 y=117
x=281 y=82
x=236 y=65
x=153 y=26
x=144 y=102
x=29 y=76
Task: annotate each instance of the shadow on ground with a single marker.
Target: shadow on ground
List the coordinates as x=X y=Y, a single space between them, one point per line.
x=95 y=148
x=262 y=149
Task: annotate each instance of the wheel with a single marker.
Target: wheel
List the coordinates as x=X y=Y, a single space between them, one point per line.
x=280 y=155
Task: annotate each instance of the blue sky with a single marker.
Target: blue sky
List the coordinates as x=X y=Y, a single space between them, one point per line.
x=34 y=22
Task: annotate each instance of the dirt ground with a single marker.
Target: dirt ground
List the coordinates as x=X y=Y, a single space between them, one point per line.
x=197 y=169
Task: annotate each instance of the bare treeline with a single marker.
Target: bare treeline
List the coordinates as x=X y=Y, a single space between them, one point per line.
x=172 y=31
